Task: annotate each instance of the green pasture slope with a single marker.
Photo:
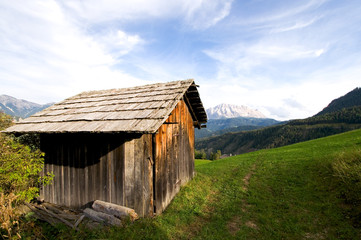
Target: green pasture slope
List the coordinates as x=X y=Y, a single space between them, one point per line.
x=292 y=192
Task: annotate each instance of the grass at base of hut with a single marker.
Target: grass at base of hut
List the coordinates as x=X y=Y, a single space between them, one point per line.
x=291 y=192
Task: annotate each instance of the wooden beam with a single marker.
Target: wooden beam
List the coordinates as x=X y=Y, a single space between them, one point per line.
x=194 y=116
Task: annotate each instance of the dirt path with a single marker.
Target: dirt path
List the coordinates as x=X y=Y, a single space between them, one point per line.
x=236 y=222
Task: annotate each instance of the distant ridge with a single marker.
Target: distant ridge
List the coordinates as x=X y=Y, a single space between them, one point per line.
x=19 y=107
x=217 y=127
x=341 y=115
x=232 y=111
x=351 y=99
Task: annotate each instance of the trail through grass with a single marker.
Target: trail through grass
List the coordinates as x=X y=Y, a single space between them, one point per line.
x=283 y=193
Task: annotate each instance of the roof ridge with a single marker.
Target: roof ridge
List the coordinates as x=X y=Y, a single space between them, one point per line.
x=136 y=87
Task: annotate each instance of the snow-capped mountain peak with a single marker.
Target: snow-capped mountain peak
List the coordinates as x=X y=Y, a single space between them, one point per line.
x=232 y=111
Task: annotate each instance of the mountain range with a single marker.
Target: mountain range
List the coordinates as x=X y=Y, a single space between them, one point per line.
x=19 y=107
x=226 y=118
x=232 y=111
x=341 y=115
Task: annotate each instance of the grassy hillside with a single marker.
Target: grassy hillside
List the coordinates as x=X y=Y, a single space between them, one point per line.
x=300 y=191
x=280 y=135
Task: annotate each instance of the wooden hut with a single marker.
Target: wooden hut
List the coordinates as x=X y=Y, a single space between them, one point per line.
x=133 y=147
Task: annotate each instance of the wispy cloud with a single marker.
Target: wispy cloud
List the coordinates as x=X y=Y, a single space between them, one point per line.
x=199 y=14
x=279 y=11
x=202 y=14
x=44 y=49
x=285 y=27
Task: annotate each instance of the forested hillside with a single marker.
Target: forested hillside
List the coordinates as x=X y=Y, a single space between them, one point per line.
x=280 y=135
x=351 y=99
x=216 y=127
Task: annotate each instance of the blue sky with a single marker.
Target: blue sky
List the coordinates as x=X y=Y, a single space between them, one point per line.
x=288 y=59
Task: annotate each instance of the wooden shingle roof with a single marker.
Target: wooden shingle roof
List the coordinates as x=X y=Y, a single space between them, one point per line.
x=140 y=109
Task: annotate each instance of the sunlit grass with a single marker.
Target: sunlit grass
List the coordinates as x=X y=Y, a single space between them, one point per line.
x=285 y=193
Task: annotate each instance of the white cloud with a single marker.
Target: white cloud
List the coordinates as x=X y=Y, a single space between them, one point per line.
x=199 y=14
x=240 y=57
x=297 y=25
x=280 y=13
x=118 y=42
x=45 y=51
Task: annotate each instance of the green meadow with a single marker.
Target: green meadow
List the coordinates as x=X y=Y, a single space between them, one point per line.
x=309 y=190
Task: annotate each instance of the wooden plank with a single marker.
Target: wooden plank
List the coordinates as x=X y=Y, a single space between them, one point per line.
x=104 y=177
x=67 y=174
x=181 y=147
x=96 y=184
x=119 y=175
x=138 y=175
x=73 y=190
x=164 y=166
x=110 y=184
x=76 y=159
x=129 y=174
x=99 y=177
x=86 y=198
x=62 y=176
x=82 y=176
x=148 y=173
x=107 y=189
x=52 y=186
x=79 y=174
x=169 y=163
x=111 y=170
x=158 y=171
x=57 y=171
x=176 y=148
x=90 y=162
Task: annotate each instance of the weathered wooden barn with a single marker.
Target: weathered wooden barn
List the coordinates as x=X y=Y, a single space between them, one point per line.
x=133 y=147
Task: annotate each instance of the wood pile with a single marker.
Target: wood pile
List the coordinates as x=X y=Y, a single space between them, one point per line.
x=100 y=213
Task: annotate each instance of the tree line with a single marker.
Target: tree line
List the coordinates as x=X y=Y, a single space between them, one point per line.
x=210 y=155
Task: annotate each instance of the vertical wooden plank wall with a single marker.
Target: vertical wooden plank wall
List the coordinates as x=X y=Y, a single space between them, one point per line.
x=174 y=155
x=107 y=168
x=138 y=189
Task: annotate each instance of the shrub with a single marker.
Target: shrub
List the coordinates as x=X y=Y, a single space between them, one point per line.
x=19 y=169
x=200 y=154
x=347 y=170
x=20 y=179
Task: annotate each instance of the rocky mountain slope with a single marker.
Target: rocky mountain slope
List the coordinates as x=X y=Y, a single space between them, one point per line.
x=232 y=111
x=19 y=107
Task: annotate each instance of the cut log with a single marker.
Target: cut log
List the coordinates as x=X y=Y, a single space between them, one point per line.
x=79 y=220
x=42 y=216
x=57 y=217
x=102 y=217
x=115 y=210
